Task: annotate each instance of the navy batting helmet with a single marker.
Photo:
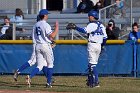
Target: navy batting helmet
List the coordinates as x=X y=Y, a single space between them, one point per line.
x=43 y=12
x=94 y=13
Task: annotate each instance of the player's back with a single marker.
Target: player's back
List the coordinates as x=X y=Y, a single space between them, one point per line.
x=97 y=31
x=41 y=32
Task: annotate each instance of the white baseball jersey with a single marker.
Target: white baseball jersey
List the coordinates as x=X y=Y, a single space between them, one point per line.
x=41 y=32
x=96 y=32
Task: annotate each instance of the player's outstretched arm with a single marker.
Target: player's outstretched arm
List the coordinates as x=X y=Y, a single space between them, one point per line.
x=71 y=26
x=56 y=29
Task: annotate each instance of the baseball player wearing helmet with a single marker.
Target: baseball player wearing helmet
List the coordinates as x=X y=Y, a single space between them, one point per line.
x=43 y=35
x=31 y=62
x=97 y=37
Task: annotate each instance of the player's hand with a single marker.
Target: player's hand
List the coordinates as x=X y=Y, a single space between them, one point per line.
x=56 y=25
x=54 y=33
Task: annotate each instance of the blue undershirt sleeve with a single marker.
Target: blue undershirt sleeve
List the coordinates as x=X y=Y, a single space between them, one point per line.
x=82 y=30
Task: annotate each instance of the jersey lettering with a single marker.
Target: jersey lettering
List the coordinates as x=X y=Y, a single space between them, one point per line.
x=97 y=32
x=38 y=31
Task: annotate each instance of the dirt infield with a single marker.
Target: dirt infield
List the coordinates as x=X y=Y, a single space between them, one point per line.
x=27 y=91
x=22 y=91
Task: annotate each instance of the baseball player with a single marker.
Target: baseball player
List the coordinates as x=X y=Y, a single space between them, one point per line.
x=31 y=62
x=43 y=35
x=96 y=38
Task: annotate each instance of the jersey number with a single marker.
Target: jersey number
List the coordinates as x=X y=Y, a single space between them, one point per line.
x=38 y=31
x=97 y=32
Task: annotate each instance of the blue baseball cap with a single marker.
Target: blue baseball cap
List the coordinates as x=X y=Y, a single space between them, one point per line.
x=43 y=12
x=94 y=13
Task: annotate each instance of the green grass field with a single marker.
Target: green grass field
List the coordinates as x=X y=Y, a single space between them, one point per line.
x=72 y=84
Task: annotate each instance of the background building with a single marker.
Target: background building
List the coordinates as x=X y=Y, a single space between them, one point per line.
x=33 y=6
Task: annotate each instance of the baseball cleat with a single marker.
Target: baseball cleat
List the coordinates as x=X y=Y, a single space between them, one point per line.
x=97 y=85
x=48 y=85
x=15 y=75
x=28 y=81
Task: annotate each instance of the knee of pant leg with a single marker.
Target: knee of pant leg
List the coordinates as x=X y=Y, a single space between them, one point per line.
x=50 y=65
x=31 y=62
x=40 y=67
x=92 y=60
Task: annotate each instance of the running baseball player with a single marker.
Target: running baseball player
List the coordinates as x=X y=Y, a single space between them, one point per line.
x=31 y=62
x=97 y=37
x=43 y=35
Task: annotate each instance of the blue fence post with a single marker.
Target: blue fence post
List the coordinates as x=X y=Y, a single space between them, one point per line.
x=135 y=58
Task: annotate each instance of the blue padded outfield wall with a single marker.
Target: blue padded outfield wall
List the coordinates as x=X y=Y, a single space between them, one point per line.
x=114 y=59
